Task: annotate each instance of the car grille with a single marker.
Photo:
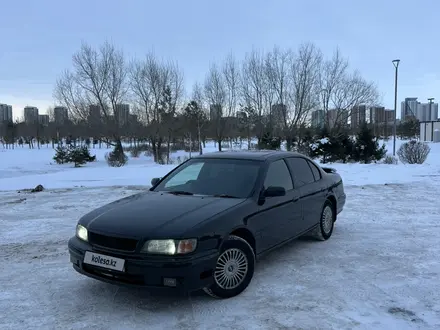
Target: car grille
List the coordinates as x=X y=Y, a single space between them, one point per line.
x=117 y=243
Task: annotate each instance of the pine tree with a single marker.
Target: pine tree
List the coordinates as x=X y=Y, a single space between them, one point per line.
x=61 y=155
x=366 y=147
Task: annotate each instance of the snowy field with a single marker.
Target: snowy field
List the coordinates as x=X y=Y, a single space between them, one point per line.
x=380 y=269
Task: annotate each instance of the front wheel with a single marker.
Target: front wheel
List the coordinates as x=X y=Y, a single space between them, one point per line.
x=234 y=269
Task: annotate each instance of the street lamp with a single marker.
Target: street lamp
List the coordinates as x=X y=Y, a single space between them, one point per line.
x=396 y=66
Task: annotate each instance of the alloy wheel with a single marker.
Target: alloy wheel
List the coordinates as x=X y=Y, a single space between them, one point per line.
x=327 y=219
x=231 y=269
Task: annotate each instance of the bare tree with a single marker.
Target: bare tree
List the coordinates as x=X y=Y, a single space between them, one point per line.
x=216 y=94
x=278 y=77
x=231 y=76
x=98 y=78
x=332 y=73
x=254 y=87
x=341 y=91
x=195 y=113
x=352 y=92
x=158 y=90
x=171 y=98
x=304 y=89
x=143 y=76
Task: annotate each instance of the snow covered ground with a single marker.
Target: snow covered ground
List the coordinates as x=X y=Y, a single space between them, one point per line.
x=23 y=168
x=380 y=269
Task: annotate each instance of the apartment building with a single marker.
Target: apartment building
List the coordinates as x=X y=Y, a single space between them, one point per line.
x=318 y=118
x=30 y=115
x=61 y=115
x=427 y=111
x=358 y=116
x=6 y=113
x=122 y=114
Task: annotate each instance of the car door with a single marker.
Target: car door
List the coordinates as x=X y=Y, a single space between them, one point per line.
x=312 y=193
x=277 y=214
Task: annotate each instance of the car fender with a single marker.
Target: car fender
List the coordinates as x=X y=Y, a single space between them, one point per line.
x=226 y=236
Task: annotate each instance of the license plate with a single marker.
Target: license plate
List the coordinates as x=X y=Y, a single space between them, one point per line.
x=104 y=261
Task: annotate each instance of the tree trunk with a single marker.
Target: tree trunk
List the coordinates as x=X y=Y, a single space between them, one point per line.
x=199 y=139
x=168 y=148
x=118 y=147
x=289 y=143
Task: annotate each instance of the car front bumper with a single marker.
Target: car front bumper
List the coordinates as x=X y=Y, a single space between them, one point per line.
x=182 y=274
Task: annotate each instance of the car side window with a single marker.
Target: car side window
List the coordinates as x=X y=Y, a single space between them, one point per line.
x=189 y=173
x=316 y=172
x=278 y=175
x=301 y=171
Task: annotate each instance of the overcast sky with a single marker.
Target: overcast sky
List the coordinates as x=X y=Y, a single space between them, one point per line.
x=38 y=38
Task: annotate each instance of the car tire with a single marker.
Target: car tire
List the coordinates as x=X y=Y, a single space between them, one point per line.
x=324 y=230
x=234 y=269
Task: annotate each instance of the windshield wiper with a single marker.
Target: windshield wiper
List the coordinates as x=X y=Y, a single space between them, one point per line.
x=225 y=196
x=180 y=192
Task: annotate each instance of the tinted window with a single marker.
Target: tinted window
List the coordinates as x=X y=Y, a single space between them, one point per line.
x=301 y=171
x=278 y=175
x=234 y=177
x=316 y=172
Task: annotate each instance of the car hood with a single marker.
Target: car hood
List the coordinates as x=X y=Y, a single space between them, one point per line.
x=155 y=214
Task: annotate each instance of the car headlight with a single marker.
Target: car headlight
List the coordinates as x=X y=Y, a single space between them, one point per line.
x=82 y=233
x=169 y=246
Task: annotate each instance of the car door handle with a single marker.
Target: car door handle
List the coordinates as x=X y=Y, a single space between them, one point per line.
x=295 y=199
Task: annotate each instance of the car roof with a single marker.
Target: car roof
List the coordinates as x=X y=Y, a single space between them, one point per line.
x=259 y=155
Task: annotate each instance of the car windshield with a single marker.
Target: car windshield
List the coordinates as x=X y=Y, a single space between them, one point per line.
x=215 y=177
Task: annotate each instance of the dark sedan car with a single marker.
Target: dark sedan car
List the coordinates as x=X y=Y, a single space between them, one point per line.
x=205 y=223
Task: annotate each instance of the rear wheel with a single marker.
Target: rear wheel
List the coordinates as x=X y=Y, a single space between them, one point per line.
x=326 y=224
x=234 y=269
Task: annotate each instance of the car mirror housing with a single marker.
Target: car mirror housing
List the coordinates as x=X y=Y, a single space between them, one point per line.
x=154 y=181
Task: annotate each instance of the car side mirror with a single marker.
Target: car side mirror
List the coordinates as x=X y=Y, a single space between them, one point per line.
x=274 y=191
x=154 y=181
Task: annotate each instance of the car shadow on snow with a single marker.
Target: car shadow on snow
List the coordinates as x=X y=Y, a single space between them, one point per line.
x=276 y=273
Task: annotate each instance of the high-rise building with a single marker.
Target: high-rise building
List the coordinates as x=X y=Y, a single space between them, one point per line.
x=122 y=114
x=215 y=112
x=377 y=115
x=94 y=115
x=333 y=118
x=358 y=115
x=133 y=119
x=43 y=120
x=409 y=108
x=427 y=111
x=279 y=112
x=30 y=115
x=389 y=116
x=434 y=112
x=6 y=113
x=61 y=115
x=318 y=118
